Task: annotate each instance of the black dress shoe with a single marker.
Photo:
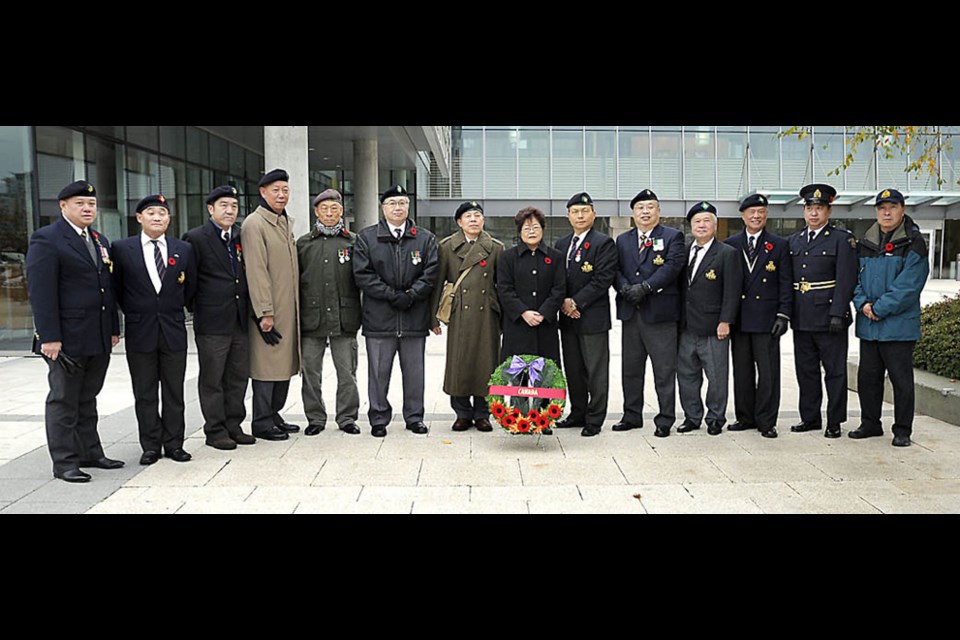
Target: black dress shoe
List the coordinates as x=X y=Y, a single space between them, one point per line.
x=833 y=431
x=378 y=431
x=714 y=429
x=590 y=431
x=769 y=433
x=273 y=434
x=805 y=426
x=662 y=432
x=687 y=426
x=103 y=463
x=243 y=438
x=350 y=428
x=862 y=432
x=313 y=429
x=73 y=475
x=149 y=457
x=417 y=427
x=482 y=424
x=625 y=426
x=462 y=424
x=286 y=427
x=178 y=455
x=547 y=432
x=568 y=423
x=741 y=426
x=901 y=441
x=224 y=443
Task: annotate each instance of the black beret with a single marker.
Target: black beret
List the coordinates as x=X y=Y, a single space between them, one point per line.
x=701 y=207
x=273 y=176
x=78 y=188
x=153 y=201
x=889 y=195
x=754 y=200
x=818 y=194
x=646 y=194
x=223 y=191
x=473 y=205
x=580 y=198
x=395 y=190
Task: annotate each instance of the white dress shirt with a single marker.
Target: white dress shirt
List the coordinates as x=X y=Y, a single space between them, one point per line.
x=147 y=243
x=579 y=238
x=393 y=230
x=700 y=254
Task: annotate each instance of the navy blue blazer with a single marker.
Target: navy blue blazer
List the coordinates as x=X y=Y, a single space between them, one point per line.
x=767 y=291
x=661 y=268
x=147 y=312
x=590 y=274
x=714 y=295
x=70 y=293
x=832 y=256
x=221 y=303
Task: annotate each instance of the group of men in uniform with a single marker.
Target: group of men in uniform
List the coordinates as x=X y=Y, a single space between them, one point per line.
x=266 y=306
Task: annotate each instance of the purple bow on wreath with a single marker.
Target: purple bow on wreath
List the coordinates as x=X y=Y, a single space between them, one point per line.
x=518 y=366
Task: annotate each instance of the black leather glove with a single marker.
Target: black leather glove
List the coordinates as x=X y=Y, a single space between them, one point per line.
x=271 y=337
x=69 y=365
x=402 y=301
x=634 y=294
x=779 y=328
x=836 y=325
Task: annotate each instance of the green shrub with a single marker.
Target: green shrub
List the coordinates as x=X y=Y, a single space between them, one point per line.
x=938 y=350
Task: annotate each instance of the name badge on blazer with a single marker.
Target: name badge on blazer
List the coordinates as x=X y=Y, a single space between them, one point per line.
x=658 y=244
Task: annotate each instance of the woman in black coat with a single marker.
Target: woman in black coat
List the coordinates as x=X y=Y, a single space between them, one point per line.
x=531 y=284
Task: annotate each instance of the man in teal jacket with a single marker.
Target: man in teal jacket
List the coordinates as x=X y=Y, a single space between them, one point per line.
x=893 y=270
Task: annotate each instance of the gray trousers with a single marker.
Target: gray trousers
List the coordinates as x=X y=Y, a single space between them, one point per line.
x=700 y=355
x=658 y=341
x=343 y=349
x=222 y=383
x=71 y=412
x=586 y=358
x=380 y=355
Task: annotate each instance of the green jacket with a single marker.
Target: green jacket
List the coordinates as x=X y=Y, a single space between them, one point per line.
x=329 y=298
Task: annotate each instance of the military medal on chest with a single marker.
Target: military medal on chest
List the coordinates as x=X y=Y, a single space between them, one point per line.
x=104 y=255
x=770 y=266
x=415 y=257
x=343 y=255
x=658 y=260
x=711 y=275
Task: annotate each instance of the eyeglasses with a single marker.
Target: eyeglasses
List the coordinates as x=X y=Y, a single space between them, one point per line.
x=396 y=203
x=530 y=228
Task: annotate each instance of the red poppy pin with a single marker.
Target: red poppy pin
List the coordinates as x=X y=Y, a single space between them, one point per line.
x=483 y=263
x=648 y=243
x=172 y=261
x=586 y=245
x=547 y=261
x=888 y=248
x=413 y=231
x=769 y=246
x=96 y=236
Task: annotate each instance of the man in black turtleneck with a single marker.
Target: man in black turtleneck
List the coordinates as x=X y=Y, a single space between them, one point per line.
x=270 y=254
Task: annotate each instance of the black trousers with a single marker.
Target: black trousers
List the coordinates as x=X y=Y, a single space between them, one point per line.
x=896 y=358
x=586 y=358
x=268 y=399
x=811 y=350
x=756 y=379
x=470 y=407
x=160 y=429
x=71 y=412
x=659 y=341
x=222 y=383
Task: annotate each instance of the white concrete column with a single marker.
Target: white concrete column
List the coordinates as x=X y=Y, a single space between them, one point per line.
x=286 y=148
x=366 y=188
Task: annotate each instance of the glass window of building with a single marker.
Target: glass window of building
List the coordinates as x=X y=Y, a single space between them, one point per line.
x=796 y=162
x=891 y=164
x=173 y=141
x=534 y=164
x=861 y=175
x=950 y=157
x=828 y=156
x=173 y=185
x=236 y=161
x=219 y=154
x=144 y=136
x=567 y=162
x=142 y=177
x=731 y=162
x=925 y=180
x=501 y=163
x=665 y=160
x=198 y=143
x=634 y=165
x=466 y=163
x=59 y=162
x=16 y=227
x=699 y=163
x=763 y=162
x=601 y=162
x=112 y=132
x=104 y=168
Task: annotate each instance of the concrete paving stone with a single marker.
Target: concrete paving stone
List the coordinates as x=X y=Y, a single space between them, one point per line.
x=672 y=470
x=867 y=466
x=556 y=493
x=349 y=472
x=501 y=445
x=941 y=465
x=371 y=507
x=89 y=493
x=929 y=487
x=35 y=465
x=825 y=504
x=938 y=437
x=231 y=507
x=661 y=505
x=474 y=472
x=507 y=506
x=452 y=495
x=167 y=473
x=33 y=507
x=435 y=447
x=11 y=448
x=695 y=444
x=828 y=492
x=613 y=505
x=572 y=471
x=305 y=494
x=786 y=441
x=280 y=472
x=606 y=493
x=917 y=504
x=17 y=429
x=737 y=490
x=768 y=468
x=576 y=446
x=336 y=445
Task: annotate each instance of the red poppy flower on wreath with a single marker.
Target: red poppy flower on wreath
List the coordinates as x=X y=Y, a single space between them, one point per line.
x=498 y=410
x=769 y=246
x=523 y=425
x=483 y=263
x=171 y=262
x=542 y=422
x=586 y=245
x=533 y=414
x=547 y=261
x=509 y=421
x=888 y=247
x=515 y=413
x=554 y=411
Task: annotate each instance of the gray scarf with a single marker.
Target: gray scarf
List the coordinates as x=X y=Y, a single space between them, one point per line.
x=335 y=230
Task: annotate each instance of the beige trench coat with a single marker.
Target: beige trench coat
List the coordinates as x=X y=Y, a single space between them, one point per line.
x=270 y=256
x=473 y=336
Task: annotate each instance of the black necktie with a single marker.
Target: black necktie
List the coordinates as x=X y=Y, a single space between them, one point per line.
x=813 y=234
x=158 y=259
x=226 y=236
x=399 y=233
x=752 y=250
x=693 y=260
x=573 y=249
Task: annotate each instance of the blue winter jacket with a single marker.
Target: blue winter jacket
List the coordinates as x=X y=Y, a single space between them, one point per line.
x=891 y=277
